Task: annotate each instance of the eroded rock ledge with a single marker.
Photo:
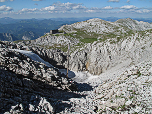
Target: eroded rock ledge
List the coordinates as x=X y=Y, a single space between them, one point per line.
x=29 y=86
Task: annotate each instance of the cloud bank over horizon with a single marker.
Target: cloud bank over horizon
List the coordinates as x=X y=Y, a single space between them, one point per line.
x=41 y=8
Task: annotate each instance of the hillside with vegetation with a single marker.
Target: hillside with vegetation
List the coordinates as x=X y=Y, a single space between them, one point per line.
x=81 y=33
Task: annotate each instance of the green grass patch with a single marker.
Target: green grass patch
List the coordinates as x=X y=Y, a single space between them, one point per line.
x=69 y=34
x=111 y=35
x=138 y=73
x=123 y=107
x=58 y=46
x=131 y=97
x=88 y=40
x=17 y=41
x=45 y=35
x=84 y=34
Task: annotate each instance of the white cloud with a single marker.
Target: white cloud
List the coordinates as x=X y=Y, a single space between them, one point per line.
x=134 y=9
x=3 y=0
x=28 y=10
x=143 y=11
x=50 y=8
x=128 y=1
x=108 y=7
x=139 y=11
x=37 y=0
x=113 y=0
x=94 y=10
x=5 y=8
x=64 y=7
x=128 y=7
x=146 y=11
x=90 y=11
x=79 y=7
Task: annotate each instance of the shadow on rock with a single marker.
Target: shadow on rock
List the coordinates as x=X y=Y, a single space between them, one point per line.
x=83 y=87
x=71 y=74
x=54 y=57
x=20 y=94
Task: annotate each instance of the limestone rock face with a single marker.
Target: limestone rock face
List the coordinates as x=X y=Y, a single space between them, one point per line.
x=22 y=65
x=78 y=61
x=52 y=40
x=27 y=85
x=95 y=25
x=55 y=57
x=134 y=24
x=99 y=57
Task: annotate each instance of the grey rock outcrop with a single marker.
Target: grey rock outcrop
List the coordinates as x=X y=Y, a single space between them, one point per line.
x=26 y=85
x=100 y=26
x=95 y=25
x=99 y=57
x=78 y=61
x=48 y=41
x=134 y=24
x=22 y=65
x=54 y=56
x=22 y=95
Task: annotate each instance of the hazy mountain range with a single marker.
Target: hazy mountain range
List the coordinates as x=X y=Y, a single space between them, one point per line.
x=29 y=29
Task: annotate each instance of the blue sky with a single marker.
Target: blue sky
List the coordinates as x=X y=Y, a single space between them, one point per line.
x=75 y=8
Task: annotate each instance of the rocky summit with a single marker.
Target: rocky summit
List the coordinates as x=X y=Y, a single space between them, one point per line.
x=110 y=70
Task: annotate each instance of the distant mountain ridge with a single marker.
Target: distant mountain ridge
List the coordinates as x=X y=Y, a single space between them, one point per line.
x=21 y=28
x=8 y=20
x=100 y=24
x=6 y=37
x=134 y=24
x=30 y=29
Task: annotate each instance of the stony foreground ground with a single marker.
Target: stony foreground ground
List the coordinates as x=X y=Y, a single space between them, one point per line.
x=119 y=59
x=31 y=87
x=130 y=92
